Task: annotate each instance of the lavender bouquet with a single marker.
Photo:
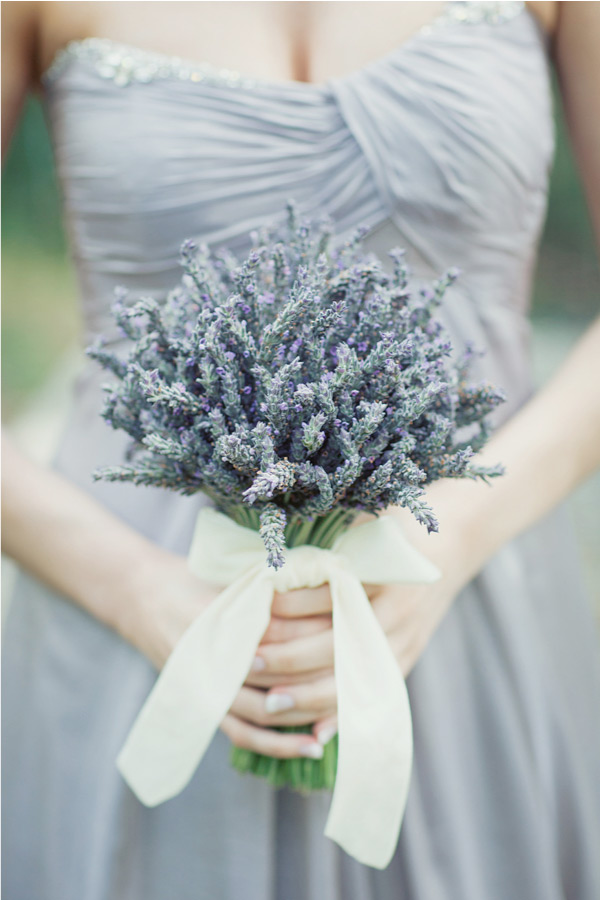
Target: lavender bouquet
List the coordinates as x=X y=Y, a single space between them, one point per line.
x=295 y=389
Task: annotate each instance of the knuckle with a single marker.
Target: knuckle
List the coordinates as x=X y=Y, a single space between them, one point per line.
x=278 y=748
x=273 y=632
x=324 y=700
x=260 y=717
x=315 y=697
x=285 y=661
x=283 y=605
x=236 y=734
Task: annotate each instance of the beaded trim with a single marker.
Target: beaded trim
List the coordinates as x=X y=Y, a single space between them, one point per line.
x=124 y=63
x=475 y=13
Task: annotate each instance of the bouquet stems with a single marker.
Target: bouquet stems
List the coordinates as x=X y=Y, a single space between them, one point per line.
x=300 y=773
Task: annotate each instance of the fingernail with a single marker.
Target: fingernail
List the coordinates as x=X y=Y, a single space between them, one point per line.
x=315 y=751
x=278 y=702
x=326 y=734
x=258 y=664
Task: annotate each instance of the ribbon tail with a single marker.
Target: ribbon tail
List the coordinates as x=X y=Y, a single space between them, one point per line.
x=195 y=689
x=375 y=746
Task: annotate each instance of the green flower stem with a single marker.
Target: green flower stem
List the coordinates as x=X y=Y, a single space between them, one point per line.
x=300 y=773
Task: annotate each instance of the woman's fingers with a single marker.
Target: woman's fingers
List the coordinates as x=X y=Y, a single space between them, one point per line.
x=270 y=680
x=269 y=742
x=297 y=705
x=302 y=602
x=325 y=729
x=302 y=655
x=316 y=699
x=281 y=629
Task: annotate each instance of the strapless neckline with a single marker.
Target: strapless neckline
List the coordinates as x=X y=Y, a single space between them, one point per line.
x=124 y=62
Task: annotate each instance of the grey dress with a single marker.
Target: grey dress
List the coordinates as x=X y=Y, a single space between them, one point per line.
x=443 y=146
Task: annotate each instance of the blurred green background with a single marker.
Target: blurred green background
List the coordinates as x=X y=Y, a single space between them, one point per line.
x=40 y=316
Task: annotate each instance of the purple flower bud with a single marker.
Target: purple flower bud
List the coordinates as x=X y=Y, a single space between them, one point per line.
x=220 y=370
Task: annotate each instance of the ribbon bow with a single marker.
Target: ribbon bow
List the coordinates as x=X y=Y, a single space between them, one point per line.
x=211 y=661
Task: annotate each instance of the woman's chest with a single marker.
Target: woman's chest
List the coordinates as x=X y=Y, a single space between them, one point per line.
x=440 y=136
x=309 y=42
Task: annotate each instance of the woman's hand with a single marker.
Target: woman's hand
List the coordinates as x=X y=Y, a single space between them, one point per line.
x=293 y=682
x=297 y=685
x=165 y=597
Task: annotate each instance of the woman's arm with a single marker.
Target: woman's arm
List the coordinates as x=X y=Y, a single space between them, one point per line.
x=49 y=527
x=553 y=443
x=65 y=538
x=19 y=27
x=57 y=531
x=548 y=448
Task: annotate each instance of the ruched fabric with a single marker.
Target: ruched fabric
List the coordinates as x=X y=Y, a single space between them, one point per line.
x=443 y=147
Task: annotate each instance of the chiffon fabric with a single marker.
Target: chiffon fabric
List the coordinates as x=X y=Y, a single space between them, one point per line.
x=443 y=147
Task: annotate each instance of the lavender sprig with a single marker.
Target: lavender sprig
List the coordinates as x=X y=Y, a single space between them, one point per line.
x=303 y=379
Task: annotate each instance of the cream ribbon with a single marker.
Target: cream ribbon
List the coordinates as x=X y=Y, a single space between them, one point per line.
x=211 y=661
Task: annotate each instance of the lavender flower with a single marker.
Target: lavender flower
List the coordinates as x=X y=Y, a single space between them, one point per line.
x=302 y=379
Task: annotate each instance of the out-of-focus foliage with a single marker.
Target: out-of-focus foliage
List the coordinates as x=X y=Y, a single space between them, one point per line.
x=39 y=309
x=568 y=276
x=39 y=312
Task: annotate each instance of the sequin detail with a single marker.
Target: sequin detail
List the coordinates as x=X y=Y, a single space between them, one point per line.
x=475 y=13
x=124 y=63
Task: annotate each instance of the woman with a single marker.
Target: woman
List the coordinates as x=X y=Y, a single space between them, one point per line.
x=431 y=123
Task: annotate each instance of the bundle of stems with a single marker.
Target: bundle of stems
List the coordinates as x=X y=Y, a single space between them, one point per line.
x=300 y=773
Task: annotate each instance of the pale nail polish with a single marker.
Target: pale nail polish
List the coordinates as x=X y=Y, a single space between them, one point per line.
x=275 y=703
x=326 y=734
x=258 y=664
x=315 y=751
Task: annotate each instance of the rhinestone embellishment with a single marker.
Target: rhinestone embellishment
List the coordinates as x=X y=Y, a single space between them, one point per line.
x=475 y=13
x=125 y=64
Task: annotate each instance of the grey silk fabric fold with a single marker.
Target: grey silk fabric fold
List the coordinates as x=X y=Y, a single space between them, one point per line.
x=443 y=147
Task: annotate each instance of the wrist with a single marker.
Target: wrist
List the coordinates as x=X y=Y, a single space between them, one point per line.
x=121 y=595
x=159 y=599
x=461 y=546
x=144 y=591
x=468 y=527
